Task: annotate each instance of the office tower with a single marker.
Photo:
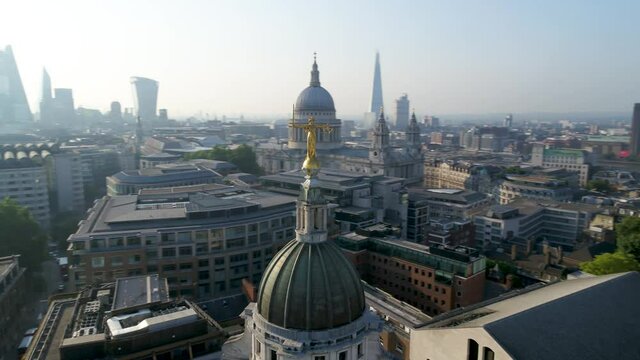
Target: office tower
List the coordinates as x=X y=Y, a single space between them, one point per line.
x=508 y=121
x=635 y=131
x=115 y=110
x=14 y=107
x=145 y=99
x=431 y=121
x=376 y=96
x=402 y=112
x=65 y=181
x=163 y=117
x=63 y=106
x=46 y=99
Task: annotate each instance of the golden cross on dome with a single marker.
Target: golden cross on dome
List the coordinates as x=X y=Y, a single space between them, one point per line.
x=311 y=163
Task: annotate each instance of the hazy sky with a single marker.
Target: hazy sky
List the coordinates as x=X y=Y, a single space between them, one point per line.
x=254 y=57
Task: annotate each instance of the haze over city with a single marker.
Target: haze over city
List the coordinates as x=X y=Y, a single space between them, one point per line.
x=326 y=180
x=253 y=57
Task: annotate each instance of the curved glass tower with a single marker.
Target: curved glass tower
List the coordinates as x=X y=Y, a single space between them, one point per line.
x=145 y=98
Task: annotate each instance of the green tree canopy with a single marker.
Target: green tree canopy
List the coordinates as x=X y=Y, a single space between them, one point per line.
x=243 y=157
x=599 y=185
x=21 y=235
x=628 y=236
x=516 y=170
x=611 y=263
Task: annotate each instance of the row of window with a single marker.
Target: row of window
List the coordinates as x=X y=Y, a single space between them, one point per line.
x=235 y=236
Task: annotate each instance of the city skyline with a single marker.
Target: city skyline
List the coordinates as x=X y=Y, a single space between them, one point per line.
x=253 y=58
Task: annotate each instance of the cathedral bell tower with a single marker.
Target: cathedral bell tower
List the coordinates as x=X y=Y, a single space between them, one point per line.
x=380 y=147
x=413 y=136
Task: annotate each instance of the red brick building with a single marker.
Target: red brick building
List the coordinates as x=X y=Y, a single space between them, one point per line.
x=433 y=279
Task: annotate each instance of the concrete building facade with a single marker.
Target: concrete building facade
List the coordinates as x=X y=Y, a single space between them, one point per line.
x=559 y=224
x=28 y=187
x=456 y=175
x=13 y=296
x=203 y=239
x=570 y=159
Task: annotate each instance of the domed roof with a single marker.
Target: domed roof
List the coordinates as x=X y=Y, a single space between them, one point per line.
x=310 y=286
x=315 y=97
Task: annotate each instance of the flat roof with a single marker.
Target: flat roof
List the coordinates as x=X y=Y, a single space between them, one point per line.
x=139 y=290
x=170 y=207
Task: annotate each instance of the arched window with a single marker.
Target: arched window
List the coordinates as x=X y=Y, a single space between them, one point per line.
x=487 y=354
x=472 y=350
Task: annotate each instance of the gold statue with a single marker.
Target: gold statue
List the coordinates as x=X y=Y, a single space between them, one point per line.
x=311 y=163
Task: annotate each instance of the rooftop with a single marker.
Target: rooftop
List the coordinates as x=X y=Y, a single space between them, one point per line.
x=447 y=195
x=98 y=321
x=525 y=206
x=330 y=179
x=534 y=323
x=608 y=138
x=564 y=152
x=174 y=207
x=167 y=172
x=139 y=290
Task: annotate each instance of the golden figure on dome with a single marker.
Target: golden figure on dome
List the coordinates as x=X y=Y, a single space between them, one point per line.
x=311 y=163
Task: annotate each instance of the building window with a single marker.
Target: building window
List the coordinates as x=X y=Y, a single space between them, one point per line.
x=134 y=259
x=274 y=355
x=319 y=357
x=168 y=252
x=487 y=354
x=472 y=350
x=151 y=239
x=116 y=261
x=202 y=235
x=169 y=267
x=399 y=348
x=133 y=241
x=343 y=355
x=97 y=262
x=360 y=351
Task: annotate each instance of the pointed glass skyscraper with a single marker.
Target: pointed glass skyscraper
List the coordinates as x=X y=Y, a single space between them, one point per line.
x=14 y=107
x=376 y=95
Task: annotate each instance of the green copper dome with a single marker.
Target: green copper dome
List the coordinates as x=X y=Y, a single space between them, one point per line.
x=310 y=286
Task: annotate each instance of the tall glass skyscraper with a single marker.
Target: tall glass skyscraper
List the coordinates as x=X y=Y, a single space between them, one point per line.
x=376 y=95
x=145 y=98
x=14 y=107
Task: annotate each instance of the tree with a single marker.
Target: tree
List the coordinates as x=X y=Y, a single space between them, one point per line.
x=628 y=236
x=516 y=170
x=599 y=185
x=611 y=263
x=21 y=235
x=243 y=157
x=63 y=225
